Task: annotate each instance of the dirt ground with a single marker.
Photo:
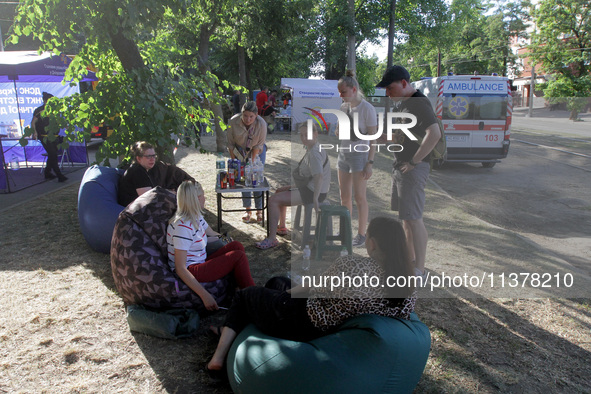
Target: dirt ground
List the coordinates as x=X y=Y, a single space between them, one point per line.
x=63 y=326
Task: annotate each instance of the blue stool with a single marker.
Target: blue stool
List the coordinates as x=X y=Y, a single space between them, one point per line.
x=324 y=234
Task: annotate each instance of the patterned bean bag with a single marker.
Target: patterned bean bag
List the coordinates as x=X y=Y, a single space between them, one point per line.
x=367 y=354
x=98 y=208
x=139 y=257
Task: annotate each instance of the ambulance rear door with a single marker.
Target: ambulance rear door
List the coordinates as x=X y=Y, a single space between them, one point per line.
x=474 y=115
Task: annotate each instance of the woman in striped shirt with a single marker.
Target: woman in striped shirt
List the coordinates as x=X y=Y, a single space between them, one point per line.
x=187 y=237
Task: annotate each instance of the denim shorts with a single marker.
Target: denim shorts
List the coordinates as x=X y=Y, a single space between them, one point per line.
x=352 y=161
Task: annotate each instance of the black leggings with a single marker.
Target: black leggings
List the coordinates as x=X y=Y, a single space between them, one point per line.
x=273 y=311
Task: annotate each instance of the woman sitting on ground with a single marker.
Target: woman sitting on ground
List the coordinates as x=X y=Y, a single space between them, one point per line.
x=312 y=182
x=187 y=237
x=147 y=172
x=279 y=313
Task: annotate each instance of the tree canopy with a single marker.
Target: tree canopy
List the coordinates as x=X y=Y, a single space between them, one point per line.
x=142 y=93
x=164 y=65
x=561 y=45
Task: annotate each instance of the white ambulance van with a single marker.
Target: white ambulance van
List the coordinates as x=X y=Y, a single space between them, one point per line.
x=476 y=115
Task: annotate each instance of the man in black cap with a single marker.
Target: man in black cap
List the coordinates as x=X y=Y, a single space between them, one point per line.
x=39 y=123
x=411 y=164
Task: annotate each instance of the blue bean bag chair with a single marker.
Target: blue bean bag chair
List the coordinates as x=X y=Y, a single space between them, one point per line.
x=139 y=257
x=367 y=354
x=98 y=208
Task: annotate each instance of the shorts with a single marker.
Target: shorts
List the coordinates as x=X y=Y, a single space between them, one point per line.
x=352 y=161
x=308 y=196
x=408 y=192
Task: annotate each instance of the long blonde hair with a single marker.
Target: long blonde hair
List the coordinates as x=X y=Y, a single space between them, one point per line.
x=188 y=206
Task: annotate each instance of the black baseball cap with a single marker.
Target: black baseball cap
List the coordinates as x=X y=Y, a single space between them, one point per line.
x=393 y=74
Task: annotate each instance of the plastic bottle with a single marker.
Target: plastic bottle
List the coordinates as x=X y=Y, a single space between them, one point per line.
x=220 y=166
x=220 y=163
x=344 y=252
x=248 y=174
x=306 y=258
x=255 y=173
x=14 y=163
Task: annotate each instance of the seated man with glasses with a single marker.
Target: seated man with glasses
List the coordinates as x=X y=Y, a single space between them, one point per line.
x=147 y=172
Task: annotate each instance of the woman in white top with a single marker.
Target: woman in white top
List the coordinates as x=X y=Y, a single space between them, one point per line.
x=311 y=188
x=187 y=237
x=356 y=156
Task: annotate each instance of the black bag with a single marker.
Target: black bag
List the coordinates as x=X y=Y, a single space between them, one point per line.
x=300 y=180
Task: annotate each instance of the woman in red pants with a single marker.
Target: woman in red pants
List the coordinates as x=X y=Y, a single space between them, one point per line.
x=187 y=236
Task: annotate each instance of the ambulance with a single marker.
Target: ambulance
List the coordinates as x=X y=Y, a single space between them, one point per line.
x=476 y=115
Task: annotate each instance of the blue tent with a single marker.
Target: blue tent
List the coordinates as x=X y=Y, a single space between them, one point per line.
x=24 y=76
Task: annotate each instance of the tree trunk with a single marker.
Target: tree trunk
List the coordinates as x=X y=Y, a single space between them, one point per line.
x=351 y=58
x=220 y=135
x=391 y=32
x=241 y=68
x=127 y=51
x=129 y=54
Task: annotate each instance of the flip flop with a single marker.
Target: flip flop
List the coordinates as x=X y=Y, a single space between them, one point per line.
x=247 y=218
x=266 y=244
x=259 y=217
x=282 y=231
x=217 y=375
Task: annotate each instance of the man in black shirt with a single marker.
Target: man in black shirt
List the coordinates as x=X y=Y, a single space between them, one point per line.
x=51 y=147
x=411 y=164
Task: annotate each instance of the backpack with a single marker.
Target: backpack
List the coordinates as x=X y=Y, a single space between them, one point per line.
x=439 y=152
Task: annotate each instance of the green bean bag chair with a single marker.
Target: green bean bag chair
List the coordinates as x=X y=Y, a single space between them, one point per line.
x=367 y=354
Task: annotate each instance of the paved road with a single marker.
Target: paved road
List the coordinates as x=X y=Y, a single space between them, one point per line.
x=540 y=193
x=9 y=200
x=555 y=122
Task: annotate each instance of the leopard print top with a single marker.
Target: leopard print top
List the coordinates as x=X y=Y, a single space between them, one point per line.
x=328 y=308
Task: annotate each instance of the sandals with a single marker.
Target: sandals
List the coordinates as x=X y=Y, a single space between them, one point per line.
x=259 y=217
x=282 y=231
x=266 y=244
x=247 y=218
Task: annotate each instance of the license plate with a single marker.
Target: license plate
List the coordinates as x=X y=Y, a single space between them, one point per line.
x=456 y=138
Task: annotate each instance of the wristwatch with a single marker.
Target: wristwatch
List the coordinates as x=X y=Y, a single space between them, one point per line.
x=370 y=161
x=412 y=163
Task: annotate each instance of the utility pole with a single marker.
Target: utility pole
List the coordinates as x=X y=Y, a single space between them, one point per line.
x=390 y=58
x=531 y=91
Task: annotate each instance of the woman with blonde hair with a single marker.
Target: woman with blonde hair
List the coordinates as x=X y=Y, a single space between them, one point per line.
x=356 y=155
x=187 y=237
x=311 y=187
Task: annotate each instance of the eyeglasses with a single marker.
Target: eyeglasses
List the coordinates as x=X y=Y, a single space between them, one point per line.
x=150 y=156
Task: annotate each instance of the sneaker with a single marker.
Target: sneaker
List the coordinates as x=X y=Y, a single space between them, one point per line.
x=422 y=277
x=358 y=241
